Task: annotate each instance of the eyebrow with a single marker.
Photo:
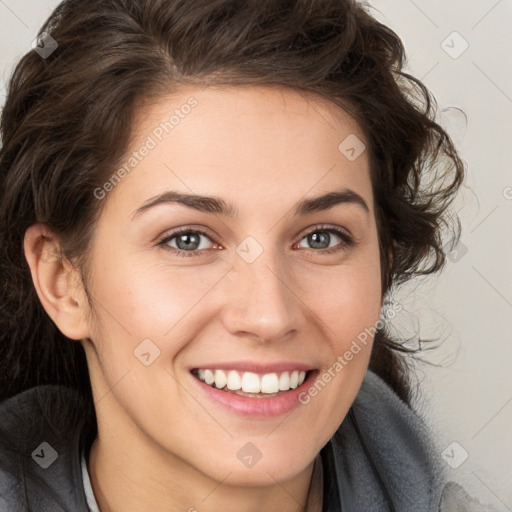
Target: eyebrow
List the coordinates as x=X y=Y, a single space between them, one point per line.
x=216 y=205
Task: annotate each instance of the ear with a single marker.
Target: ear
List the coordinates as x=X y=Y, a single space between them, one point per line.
x=57 y=282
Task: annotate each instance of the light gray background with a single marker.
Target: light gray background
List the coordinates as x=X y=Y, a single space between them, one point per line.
x=469 y=400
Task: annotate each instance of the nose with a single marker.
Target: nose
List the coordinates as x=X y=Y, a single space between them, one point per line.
x=262 y=301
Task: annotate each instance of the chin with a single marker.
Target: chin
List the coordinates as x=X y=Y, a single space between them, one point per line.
x=251 y=467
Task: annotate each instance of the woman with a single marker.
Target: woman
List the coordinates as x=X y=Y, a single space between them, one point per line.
x=205 y=206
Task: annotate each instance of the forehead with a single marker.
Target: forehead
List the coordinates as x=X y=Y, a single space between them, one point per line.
x=250 y=144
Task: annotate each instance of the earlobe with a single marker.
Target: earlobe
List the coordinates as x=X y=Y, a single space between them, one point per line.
x=57 y=282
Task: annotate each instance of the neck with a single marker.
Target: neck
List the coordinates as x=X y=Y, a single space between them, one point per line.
x=130 y=480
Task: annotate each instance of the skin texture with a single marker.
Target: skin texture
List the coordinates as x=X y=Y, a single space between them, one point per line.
x=163 y=444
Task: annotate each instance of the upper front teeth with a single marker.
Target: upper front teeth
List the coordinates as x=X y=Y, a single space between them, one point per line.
x=250 y=382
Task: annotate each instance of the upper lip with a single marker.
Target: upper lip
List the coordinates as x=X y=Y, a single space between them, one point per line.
x=251 y=366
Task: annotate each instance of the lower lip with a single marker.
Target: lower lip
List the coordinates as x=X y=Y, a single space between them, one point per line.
x=257 y=407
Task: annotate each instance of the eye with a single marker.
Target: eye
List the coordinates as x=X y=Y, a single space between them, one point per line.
x=321 y=237
x=187 y=242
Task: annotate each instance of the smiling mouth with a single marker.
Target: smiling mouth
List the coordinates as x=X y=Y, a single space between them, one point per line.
x=251 y=384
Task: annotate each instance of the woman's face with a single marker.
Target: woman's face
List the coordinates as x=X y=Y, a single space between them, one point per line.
x=263 y=286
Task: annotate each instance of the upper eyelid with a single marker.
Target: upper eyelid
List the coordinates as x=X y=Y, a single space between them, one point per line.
x=187 y=229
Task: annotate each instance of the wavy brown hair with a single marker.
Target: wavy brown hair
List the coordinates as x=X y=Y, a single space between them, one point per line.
x=68 y=120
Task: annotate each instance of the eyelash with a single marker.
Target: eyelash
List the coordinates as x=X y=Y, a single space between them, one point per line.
x=347 y=241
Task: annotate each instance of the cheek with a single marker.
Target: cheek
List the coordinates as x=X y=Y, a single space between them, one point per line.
x=149 y=300
x=348 y=301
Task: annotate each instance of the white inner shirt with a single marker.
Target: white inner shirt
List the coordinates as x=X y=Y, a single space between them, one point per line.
x=89 y=494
